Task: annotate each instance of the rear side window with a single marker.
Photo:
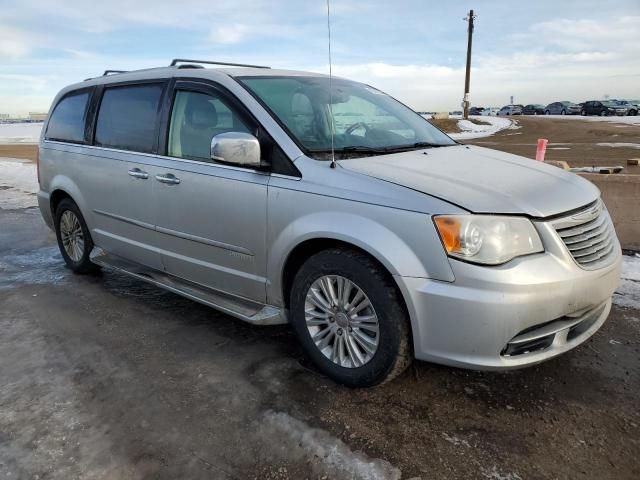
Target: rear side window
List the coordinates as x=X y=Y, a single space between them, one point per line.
x=128 y=117
x=67 y=120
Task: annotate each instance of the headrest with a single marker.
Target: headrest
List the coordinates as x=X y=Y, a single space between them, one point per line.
x=200 y=112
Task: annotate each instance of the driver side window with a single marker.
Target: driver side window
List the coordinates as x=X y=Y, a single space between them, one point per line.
x=195 y=119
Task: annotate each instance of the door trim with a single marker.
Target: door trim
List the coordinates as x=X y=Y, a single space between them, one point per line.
x=176 y=233
x=206 y=241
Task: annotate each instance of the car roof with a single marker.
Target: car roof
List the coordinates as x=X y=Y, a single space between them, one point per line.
x=188 y=71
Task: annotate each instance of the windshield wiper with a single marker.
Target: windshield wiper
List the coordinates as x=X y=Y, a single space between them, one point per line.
x=428 y=145
x=381 y=150
x=353 y=149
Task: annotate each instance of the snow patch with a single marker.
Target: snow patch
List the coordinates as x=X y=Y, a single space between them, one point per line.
x=452 y=439
x=494 y=474
x=473 y=130
x=633 y=120
x=628 y=292
x=18 y=184
x=20 y=132
x=619 y=144
x=328 y=456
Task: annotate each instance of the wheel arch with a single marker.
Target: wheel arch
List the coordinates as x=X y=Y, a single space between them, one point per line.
x=63 y=187
x=56 y=197
x=305 y=249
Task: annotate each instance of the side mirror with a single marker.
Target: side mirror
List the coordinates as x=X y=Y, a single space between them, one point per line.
x=237 y=148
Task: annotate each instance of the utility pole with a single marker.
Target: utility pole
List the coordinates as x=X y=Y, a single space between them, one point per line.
x=465 y=101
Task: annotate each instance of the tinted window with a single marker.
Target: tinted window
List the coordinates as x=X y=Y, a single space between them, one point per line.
x=67 y=120
x=128 y=117
x=195 y=119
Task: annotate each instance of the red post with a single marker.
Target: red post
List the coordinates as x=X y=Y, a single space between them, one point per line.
x=542 y=148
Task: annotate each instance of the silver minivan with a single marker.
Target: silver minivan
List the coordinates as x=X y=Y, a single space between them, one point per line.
x=289 y=197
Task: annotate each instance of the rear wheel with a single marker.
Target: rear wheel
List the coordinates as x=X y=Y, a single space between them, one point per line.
x=74 y=239
x=349 y=317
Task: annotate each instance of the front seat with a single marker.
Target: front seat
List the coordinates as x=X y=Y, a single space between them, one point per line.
x=200 y=120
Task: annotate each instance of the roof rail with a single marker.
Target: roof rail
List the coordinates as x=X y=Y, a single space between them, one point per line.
x=109 y=72
x=175 y=62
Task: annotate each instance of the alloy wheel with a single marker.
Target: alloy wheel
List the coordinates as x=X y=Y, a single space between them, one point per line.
x=341 y=321
x=71 y=235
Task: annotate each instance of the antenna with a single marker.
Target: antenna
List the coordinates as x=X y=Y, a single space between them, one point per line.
x=331 y=124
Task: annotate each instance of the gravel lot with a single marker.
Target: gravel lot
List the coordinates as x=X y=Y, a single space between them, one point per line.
x=580 y=141
x=106 y=377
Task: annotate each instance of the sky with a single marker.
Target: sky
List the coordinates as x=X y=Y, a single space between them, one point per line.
x=539 y=51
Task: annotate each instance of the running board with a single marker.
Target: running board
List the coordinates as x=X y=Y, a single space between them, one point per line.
x=247 y=310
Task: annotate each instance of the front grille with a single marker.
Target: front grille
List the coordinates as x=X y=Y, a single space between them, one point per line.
x=589 y=236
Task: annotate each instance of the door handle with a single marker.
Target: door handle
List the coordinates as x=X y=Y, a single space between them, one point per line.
x=137 y=173
x=169 y=178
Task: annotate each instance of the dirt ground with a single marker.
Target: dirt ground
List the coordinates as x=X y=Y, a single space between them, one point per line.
x=27 y=152
x=573 y=140
x=106 y=377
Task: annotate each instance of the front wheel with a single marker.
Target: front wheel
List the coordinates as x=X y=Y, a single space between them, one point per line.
x=547 y=112
x=74 y=239
x=348 y=315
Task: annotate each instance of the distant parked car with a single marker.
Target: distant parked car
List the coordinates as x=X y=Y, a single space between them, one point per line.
x=563 y=108
x=533 y=109
x=510 y=110
x=604 y=108
x=478 y=111
x=632 y=106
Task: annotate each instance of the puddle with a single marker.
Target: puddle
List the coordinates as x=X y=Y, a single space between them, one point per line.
x=41 y=266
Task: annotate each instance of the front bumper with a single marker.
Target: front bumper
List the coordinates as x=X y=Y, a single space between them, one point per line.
x=521 y=313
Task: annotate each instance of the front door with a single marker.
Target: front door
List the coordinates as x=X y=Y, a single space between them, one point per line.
x=211 y=218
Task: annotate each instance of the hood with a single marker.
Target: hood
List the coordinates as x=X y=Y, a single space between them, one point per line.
x=482 y=180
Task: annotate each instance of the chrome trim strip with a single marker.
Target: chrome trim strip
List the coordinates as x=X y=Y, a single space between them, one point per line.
x=259 y=314
x=131 y=221
x=206 y=241
x=175 y=233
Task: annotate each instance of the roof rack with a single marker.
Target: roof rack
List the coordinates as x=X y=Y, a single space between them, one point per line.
x=175 y=62
x=109 y=72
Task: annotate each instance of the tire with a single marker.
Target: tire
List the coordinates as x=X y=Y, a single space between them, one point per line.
x=583 y=113
x=547 y=112
x=392 y=353
x=72 y=230
x=633 y=113
x=603 y=113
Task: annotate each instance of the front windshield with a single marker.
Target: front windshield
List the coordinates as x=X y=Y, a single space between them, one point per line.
x=366 y=121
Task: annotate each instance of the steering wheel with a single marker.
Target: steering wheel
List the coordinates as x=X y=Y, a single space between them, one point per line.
x=353 y=127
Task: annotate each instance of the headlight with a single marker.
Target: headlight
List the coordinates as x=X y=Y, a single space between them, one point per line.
x=488 y=239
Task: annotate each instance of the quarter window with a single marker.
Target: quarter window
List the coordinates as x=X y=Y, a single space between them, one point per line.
x=67 y=120
x=195 y=119
x=128 y=117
